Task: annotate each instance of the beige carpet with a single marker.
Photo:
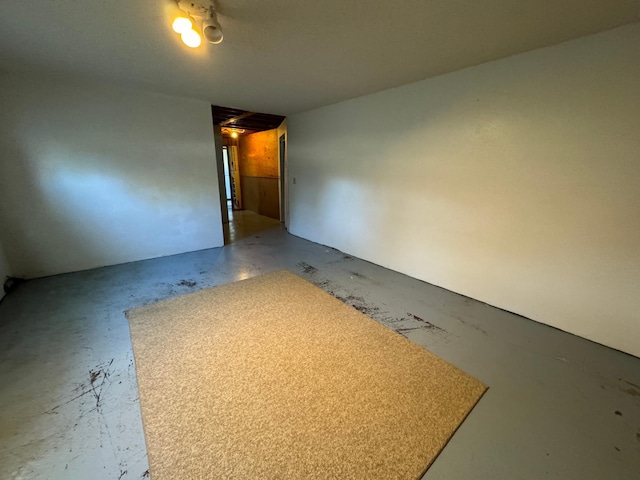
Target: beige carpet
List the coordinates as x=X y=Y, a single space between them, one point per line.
x=272 y=378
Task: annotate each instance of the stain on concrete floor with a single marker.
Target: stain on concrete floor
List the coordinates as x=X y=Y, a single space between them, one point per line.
x=306 y=268
x=61 y=335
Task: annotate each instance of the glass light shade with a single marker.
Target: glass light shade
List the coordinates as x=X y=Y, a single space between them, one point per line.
x=181 y=25
x=191 y=38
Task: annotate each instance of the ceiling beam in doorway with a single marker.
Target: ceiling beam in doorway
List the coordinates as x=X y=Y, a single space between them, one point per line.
x=235 y=119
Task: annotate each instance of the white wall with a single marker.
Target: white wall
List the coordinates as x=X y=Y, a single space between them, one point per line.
x=93 y=175
x=516 y=182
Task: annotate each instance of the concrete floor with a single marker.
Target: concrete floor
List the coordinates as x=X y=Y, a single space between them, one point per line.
x=245 y=223
x=558 y=406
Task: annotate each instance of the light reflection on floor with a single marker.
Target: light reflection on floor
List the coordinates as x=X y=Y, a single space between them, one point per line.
x=245 y=223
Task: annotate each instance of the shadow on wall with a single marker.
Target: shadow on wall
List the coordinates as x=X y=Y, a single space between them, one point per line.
x=67 y=216
x=94 y=177
x=30 y=216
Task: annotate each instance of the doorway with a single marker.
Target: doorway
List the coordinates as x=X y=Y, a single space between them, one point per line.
x=227 y=177
x=252 y=170
x=231 y=177
x=283 y=177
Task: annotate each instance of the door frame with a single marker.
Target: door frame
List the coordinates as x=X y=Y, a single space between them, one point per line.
x=282 y=154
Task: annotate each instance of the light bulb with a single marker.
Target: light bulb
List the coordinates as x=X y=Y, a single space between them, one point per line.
x=234 y=134
x=191 y=38
x=181 y=25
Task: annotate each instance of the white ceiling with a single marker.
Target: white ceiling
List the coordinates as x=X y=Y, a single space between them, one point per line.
x=288 y=56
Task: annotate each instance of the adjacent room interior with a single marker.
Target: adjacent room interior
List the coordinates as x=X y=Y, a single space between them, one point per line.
x=468 y=181
x=253 y=165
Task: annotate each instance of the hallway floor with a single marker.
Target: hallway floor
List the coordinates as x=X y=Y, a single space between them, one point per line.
x=245 y=223
x=558 y=406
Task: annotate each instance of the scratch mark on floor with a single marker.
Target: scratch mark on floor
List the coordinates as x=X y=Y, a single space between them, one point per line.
x=310 y=269
x=53 y=410
x=401 y=325
x=629 y=383
x=633 y=392
x=427 y=325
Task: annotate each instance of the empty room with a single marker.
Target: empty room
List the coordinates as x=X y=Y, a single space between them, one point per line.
x=310 y=240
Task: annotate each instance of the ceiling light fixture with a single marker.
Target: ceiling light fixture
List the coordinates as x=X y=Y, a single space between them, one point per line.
x=194 y=13
x=211 y=28
x=233 y=132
